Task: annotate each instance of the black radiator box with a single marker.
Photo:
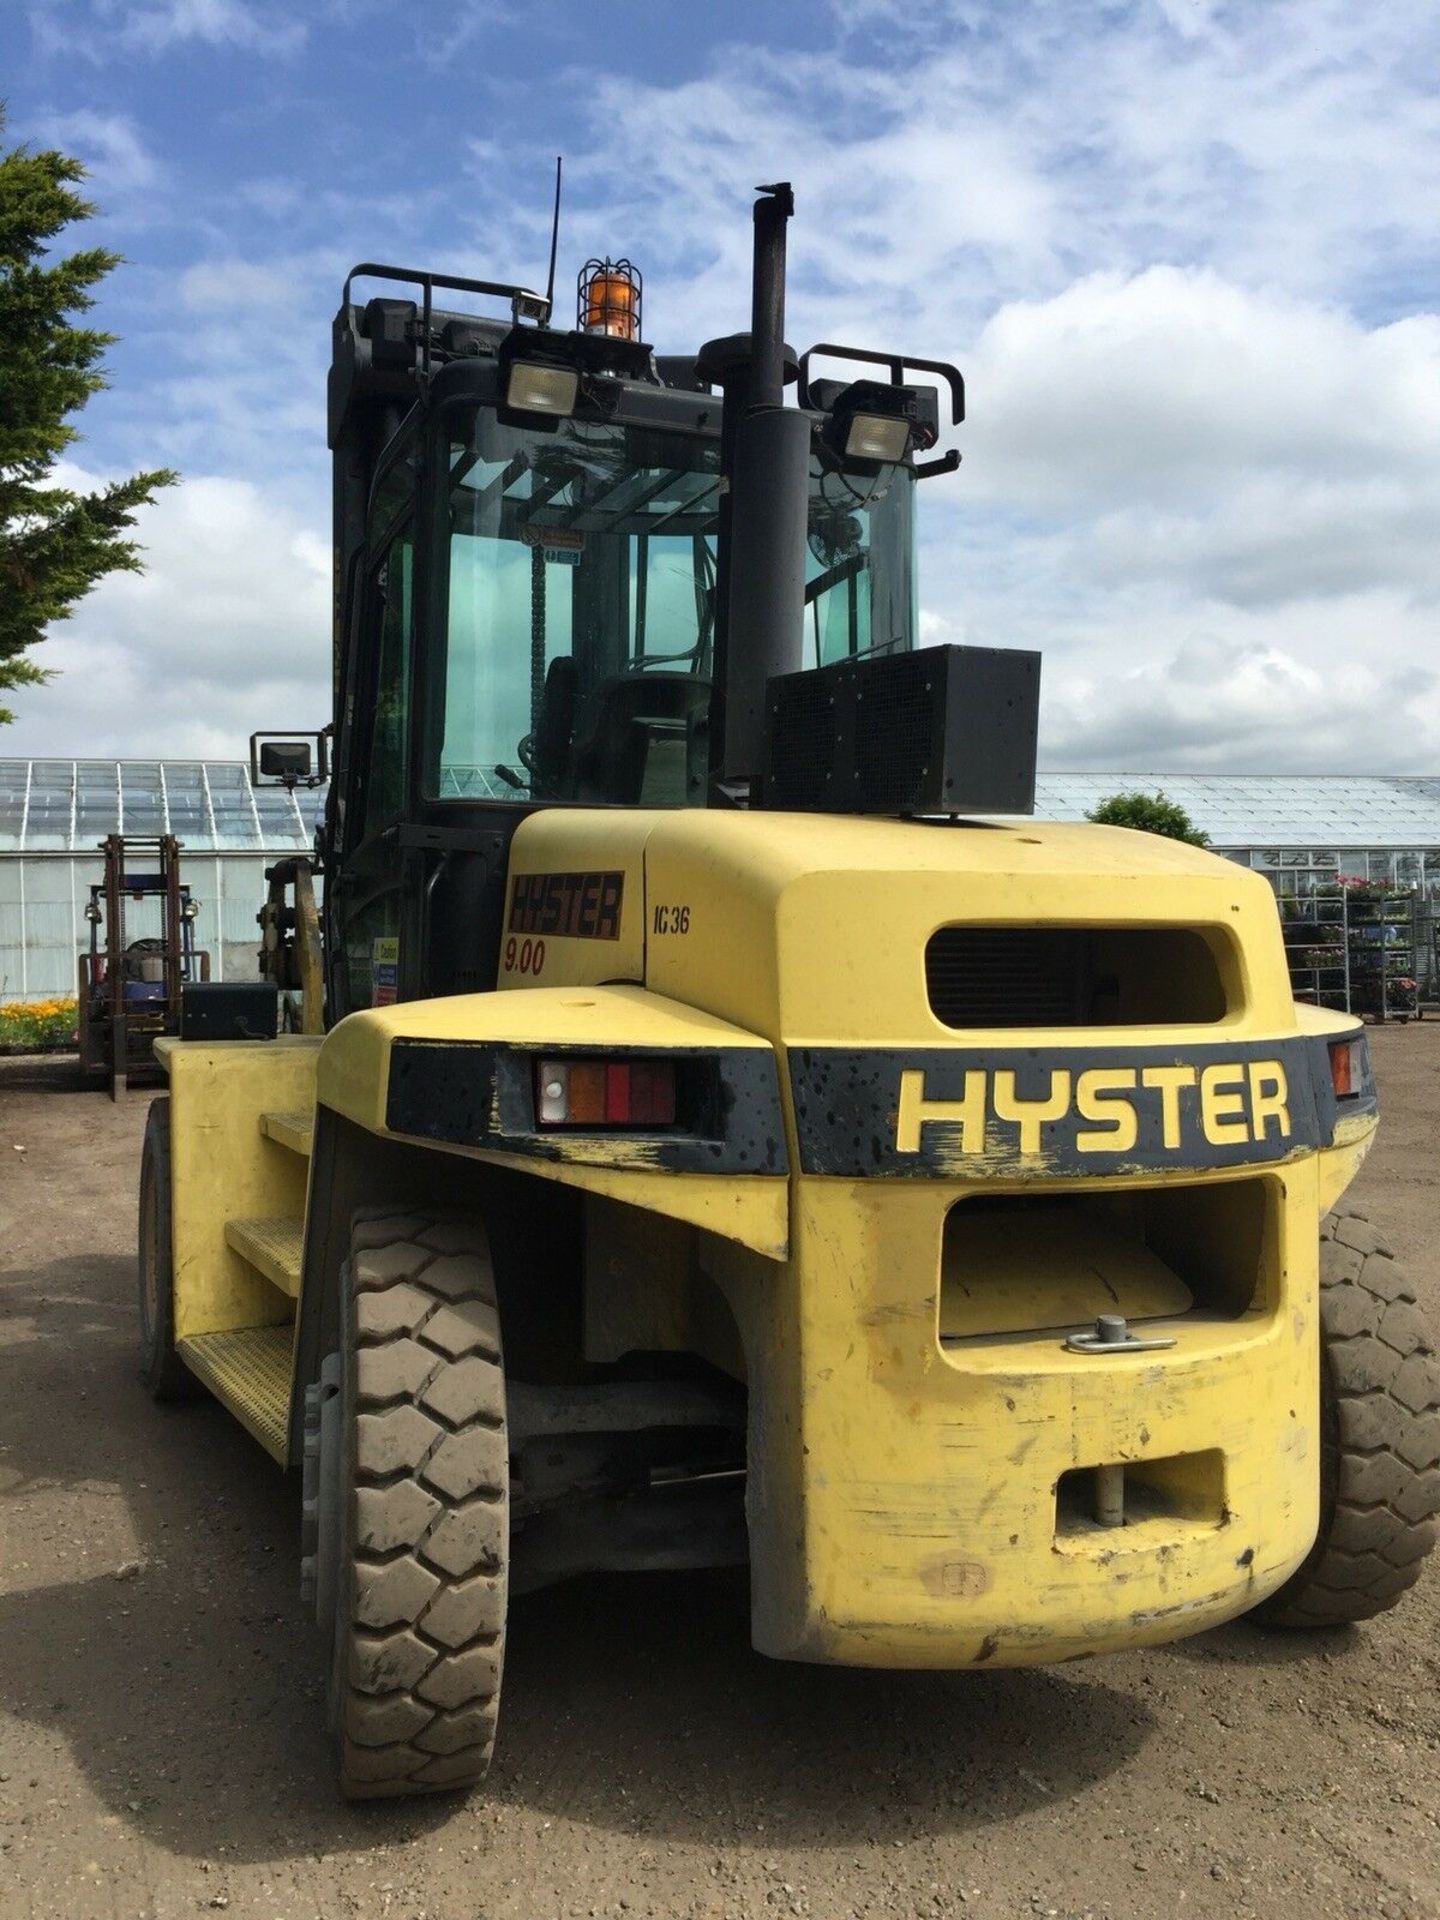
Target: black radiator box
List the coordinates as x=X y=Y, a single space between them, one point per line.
x=941 y=730
x=229 y=1010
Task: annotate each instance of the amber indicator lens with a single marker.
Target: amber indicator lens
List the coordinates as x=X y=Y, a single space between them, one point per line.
x=1345 y=1069
x=605 y=1093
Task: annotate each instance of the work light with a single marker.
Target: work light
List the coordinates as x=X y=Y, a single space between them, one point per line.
x=870 y=423
x=877 y=436
x=539 y=386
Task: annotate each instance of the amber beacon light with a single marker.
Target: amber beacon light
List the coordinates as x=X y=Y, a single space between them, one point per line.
x=608 y=298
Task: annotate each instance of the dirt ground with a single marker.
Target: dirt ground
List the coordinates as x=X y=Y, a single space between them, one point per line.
x=162 y=1749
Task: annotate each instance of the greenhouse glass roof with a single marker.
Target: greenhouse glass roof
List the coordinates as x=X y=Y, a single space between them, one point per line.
x=59 y=806
x=68 y=806
x=1330 y=810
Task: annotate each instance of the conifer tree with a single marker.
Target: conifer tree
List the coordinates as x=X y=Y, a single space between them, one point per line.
x=55 y=544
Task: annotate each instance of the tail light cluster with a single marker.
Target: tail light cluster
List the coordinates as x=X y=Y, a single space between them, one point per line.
x=1347 y=1066
x=605 y=1093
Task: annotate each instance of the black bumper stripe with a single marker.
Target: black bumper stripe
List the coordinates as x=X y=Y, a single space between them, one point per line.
x=987 y=1112
x=477 y=1094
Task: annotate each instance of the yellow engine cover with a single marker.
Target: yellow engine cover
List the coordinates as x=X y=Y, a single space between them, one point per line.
x=1028 y=1075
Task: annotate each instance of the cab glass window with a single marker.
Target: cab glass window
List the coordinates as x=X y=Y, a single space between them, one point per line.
x=578 y=645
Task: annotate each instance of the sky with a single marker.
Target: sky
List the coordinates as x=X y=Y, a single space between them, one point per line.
x=1184 y=251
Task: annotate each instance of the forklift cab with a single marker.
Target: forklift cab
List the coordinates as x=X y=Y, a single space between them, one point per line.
x=531 y=600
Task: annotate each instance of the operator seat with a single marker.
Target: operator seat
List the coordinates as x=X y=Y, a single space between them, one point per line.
x=637 y=750
x=554 y=735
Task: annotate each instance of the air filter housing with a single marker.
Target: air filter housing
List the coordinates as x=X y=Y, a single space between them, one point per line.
x=942 y=730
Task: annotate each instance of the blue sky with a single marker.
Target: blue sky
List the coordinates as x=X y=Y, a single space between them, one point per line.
x=1184 y=250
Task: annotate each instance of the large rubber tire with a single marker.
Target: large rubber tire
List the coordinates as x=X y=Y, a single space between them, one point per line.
x=424 y=1509
x=161 y=1368
x=1379 y=1437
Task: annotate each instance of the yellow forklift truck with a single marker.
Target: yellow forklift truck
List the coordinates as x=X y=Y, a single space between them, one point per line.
x=130 y=990
x=726 y=1129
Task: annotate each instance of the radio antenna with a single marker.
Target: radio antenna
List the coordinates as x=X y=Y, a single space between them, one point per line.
x=554 y=243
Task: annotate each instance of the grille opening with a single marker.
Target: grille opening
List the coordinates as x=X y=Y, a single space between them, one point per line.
x=1105 y=1499
x=1080 y=976
x=1052 y=1263
x=804 y=729
x=892 y=741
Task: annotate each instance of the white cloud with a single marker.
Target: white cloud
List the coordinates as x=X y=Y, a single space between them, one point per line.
x=1214 y=510
x=227 y=631
x=1183 y=250
x=1337 y=685
x=446 y=32
x=1172 y=383
x=108 y=143
x=218 y=23
x=230 y=284
x=977 y=154
x=95 y=29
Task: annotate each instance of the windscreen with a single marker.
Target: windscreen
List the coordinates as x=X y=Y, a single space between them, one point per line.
x=579 y=640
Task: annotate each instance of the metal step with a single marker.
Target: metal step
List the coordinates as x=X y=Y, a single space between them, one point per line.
x=293 y=1130
x=249 y=1371
x=273 y=1248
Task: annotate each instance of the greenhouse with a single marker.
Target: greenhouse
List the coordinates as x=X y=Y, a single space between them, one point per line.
x=55 y=813
x=1302 y=829
x=1312 y=835
x=1354 y=859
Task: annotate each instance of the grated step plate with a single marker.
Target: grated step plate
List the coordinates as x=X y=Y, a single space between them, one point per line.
x=293 y=1130
x=248 y=1371
x=273 y=1248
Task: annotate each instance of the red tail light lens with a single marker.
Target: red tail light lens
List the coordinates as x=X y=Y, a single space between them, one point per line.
x=605 y=1093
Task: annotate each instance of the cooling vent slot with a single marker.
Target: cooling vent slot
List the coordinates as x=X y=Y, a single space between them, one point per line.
x=1075 y=976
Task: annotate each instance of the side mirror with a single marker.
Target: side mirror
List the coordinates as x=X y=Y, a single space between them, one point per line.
x=285 y=760
x=278 y=760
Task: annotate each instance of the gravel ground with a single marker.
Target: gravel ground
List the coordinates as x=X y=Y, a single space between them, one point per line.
x=161 y=1742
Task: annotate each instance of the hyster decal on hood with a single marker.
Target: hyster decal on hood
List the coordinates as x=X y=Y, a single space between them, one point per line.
x=567 y=906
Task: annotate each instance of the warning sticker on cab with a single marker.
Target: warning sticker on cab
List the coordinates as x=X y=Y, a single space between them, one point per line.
x=563 y=545
x=384 y=971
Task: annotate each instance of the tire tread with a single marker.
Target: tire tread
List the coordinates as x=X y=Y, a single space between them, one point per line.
x=1380 y=1445
x=423 y=1633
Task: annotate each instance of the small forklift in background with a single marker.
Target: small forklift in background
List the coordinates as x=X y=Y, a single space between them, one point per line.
x=130 y=990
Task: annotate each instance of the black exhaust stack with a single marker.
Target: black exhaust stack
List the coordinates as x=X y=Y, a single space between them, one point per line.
x=764 y=512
